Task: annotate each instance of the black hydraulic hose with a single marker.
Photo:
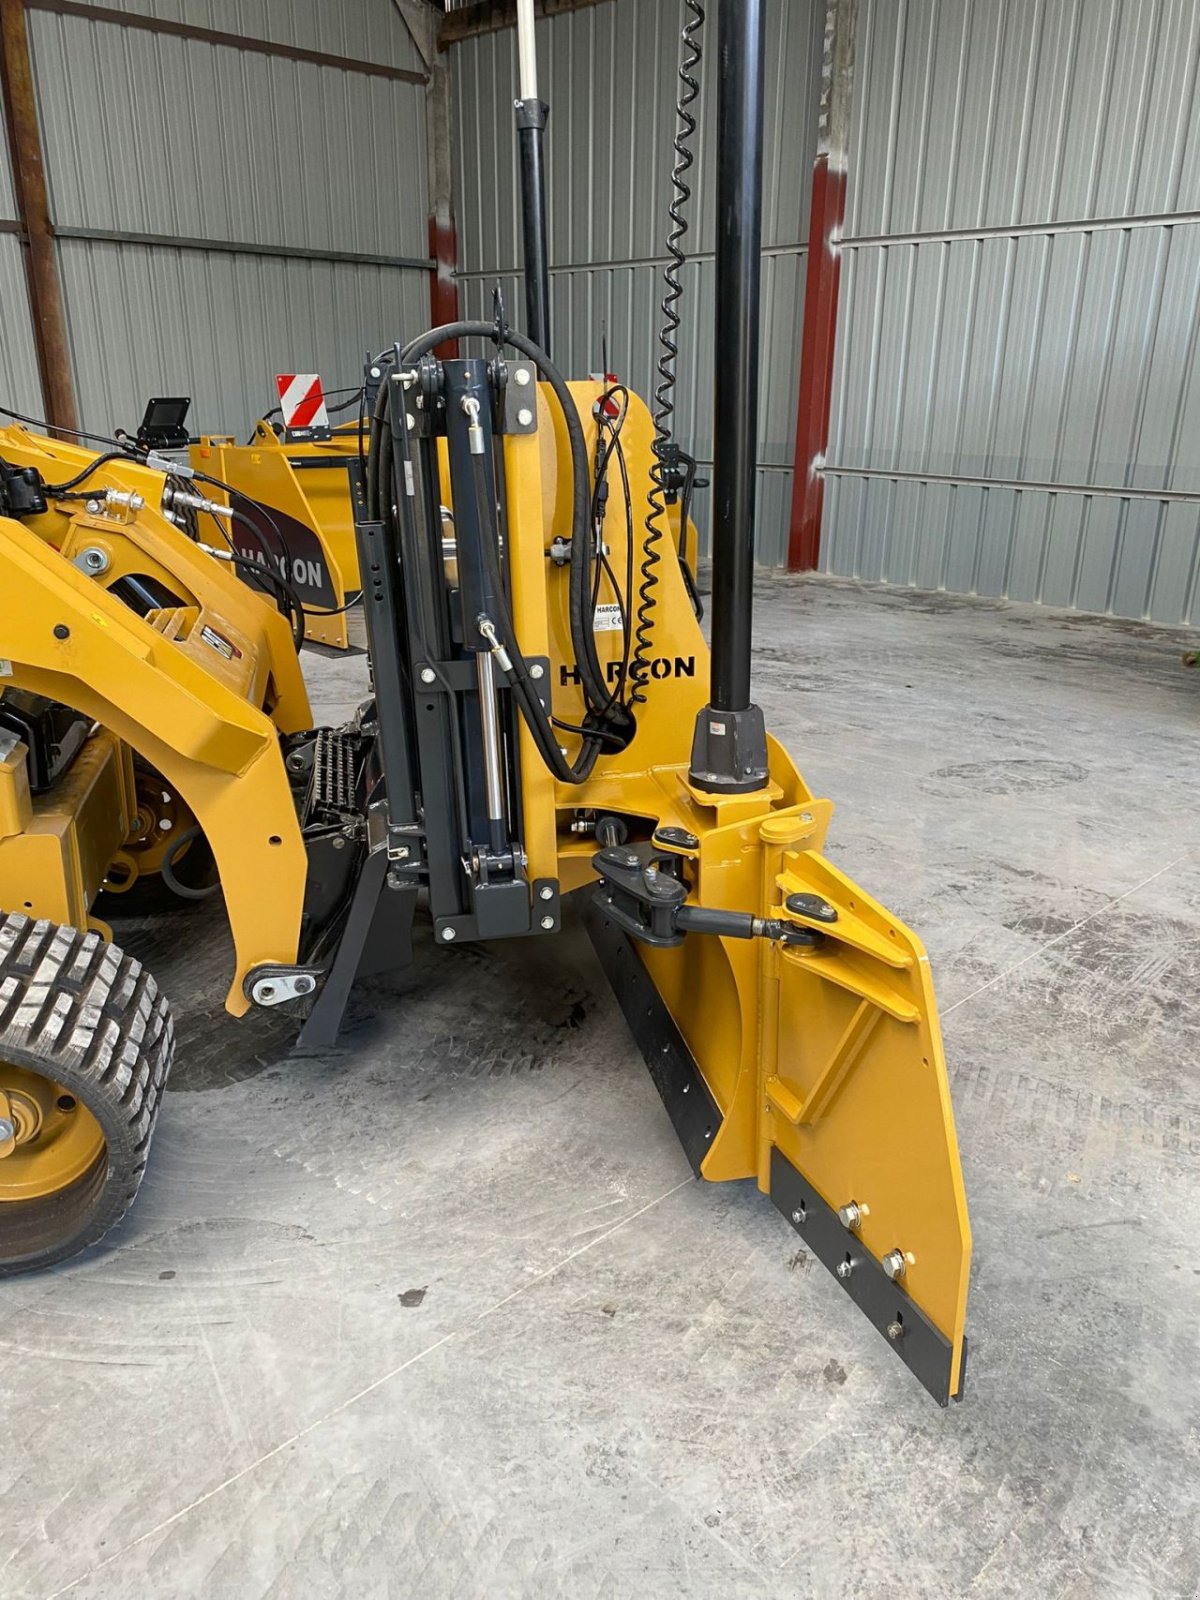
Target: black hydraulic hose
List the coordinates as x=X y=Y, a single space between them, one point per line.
x=532 y=709
x=127 y=452
x=379 y=506
x=582 y=635
x=291 y=608
x=185 y=891
x=264 y=511
x=55 y=427
x=60 y=489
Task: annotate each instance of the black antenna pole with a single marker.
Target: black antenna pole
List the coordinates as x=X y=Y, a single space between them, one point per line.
x=532 y=115
x=729 y=749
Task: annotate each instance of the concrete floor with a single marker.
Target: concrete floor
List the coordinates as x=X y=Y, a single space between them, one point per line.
x=446 y=1316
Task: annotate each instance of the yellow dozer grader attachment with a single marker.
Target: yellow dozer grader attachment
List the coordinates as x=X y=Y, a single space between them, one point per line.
x=546 y=722
x=150 y=694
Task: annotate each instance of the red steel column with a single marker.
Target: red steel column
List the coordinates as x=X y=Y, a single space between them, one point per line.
x=443 y=286
x=826 y=216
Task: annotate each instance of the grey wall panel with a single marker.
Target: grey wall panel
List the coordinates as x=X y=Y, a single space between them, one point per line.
x=369 y=30
x=8 y=199
x=987 y=112
x=197 y=140
x=219 y=327
x=623 y=303
x=1106 y=553
x=1061 y=352
x=1062 y=357
x=609 y=74
x=20 y=387
x=153 y=134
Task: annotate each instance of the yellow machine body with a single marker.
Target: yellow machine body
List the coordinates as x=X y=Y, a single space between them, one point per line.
x=304 y=487
x=57 y=849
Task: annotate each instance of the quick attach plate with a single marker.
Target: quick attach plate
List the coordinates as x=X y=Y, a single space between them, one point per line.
x=672 y=1066
x=924 y=1349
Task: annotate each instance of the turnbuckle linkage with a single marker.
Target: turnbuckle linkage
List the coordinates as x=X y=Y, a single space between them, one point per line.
x=647 y=898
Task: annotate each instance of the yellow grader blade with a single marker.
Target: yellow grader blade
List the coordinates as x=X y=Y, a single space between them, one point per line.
x=816 y=1068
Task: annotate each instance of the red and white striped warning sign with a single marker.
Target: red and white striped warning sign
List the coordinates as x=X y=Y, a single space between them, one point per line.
x=301 y=400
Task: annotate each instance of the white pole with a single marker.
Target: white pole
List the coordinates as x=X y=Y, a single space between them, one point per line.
x=526 y=50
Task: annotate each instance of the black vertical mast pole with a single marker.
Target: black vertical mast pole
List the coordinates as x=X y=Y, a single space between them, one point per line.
x=729 y=750
x=531 y=127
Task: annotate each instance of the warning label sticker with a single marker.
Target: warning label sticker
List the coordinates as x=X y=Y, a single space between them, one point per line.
x=608 y=619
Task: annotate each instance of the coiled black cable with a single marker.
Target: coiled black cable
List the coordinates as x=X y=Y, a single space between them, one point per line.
x=664 y=404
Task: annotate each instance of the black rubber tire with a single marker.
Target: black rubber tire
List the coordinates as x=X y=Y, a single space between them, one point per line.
x=80 y=1012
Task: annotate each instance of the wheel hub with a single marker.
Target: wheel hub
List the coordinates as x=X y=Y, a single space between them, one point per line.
x=20 y=1120
x=47 y=1138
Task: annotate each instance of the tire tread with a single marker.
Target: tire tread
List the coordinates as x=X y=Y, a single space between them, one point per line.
x=92 y=1018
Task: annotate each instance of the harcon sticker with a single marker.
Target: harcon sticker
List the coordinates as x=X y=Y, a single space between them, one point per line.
x=608 y=619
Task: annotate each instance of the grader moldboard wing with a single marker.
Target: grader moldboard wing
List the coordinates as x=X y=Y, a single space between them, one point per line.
x=545 y=718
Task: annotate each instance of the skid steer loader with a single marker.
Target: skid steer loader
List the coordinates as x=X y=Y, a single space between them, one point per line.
x=516 y=748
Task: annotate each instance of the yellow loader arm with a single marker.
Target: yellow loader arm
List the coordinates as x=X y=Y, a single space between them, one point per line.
x=155 y=683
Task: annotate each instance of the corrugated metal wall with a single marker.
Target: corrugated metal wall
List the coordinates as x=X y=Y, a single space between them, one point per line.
x=609 y=75
x=18 y=360
x=1020 y=304
x=183 y=139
